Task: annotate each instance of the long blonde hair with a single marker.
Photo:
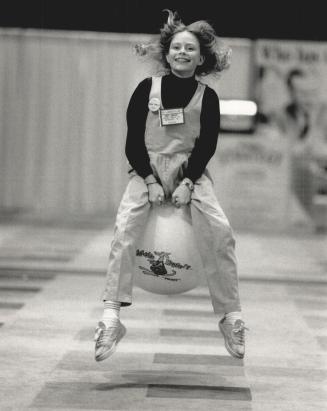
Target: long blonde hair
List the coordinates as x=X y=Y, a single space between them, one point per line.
x=217 y=55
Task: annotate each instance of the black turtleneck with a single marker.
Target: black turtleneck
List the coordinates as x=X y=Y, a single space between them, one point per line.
x=175 y=92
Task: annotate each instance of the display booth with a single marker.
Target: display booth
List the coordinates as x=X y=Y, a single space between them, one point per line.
x=251 y=176
x=291 y=90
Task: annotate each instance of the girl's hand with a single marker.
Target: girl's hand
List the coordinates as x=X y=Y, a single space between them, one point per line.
x=156 y=193
x=181 y=196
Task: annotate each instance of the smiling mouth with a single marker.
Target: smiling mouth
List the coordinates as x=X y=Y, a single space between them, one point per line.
x=181 y=59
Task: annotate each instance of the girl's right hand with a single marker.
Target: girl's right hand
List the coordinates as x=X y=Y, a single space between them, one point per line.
x=156 y=193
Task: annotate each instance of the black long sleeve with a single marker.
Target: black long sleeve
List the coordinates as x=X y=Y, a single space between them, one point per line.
x=205 y=146
x=176 y=92
x=137 y=112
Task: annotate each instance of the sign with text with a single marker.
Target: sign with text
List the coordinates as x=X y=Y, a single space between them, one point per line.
x=291 y=93
x=251 y=180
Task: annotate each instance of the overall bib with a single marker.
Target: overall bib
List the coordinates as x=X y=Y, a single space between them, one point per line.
x=169 y=148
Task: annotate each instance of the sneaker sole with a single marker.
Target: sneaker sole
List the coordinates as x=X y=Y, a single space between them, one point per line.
x=228 y=347
x=112 y=350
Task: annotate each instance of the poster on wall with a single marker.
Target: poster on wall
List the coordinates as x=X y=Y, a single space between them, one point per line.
x=249 y=178
x=291 y=93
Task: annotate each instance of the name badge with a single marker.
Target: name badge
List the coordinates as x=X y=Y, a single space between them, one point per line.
x=171 y=116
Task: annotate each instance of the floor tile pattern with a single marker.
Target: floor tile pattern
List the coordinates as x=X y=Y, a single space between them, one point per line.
x=173 y=357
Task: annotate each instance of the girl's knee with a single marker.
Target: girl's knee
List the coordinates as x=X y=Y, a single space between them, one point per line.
x=227 y=230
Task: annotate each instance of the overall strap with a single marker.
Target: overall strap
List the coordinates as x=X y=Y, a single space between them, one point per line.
x=155 y=91
x=196 y=100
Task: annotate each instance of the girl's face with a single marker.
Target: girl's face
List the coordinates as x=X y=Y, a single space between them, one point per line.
x=184 y=54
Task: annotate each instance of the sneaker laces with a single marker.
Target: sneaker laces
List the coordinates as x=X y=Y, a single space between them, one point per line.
x=239 y=332
x=102 y=335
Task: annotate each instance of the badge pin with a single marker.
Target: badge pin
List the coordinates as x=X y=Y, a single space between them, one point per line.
x=154 y=104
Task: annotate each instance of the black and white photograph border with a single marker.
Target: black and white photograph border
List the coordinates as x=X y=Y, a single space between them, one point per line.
x=71 y=78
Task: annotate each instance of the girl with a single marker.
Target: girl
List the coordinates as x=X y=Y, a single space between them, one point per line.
x=173 y=124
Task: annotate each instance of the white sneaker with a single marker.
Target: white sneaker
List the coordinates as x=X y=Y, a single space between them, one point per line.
x=234 y=335
x=107 y=339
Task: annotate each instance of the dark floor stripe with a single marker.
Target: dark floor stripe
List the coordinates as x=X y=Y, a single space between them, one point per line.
x=188 y=313
x=323 y=263
x=20 y=289
x=89 y=395
x=308 y=291
x=190 y=359
x=170 y=332
x=199 y=392
x=287 y=281
x=10 y=306
x=316 y=322
x=104 y=396
x=42 y=273
x=319 y=375
x=86 y=334
x=77 y=361
x=192 y=297
x=1 y=324
x=26 y=274
x=311 y=304
x=52 y=258
x=322 y=340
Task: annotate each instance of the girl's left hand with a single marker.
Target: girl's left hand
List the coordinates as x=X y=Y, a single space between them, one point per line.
x=181 y=196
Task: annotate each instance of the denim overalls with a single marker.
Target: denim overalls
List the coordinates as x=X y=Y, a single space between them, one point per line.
x=169 y=148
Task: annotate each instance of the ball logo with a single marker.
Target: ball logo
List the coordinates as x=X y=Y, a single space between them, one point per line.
x=163 y=265
x=158 y=262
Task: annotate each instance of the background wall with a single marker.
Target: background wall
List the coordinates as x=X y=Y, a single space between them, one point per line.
x=255 y=19
x=63 y=99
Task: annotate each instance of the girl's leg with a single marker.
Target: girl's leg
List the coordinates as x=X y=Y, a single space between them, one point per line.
x=217 y=249
x=130 y=222
x=216 y=246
